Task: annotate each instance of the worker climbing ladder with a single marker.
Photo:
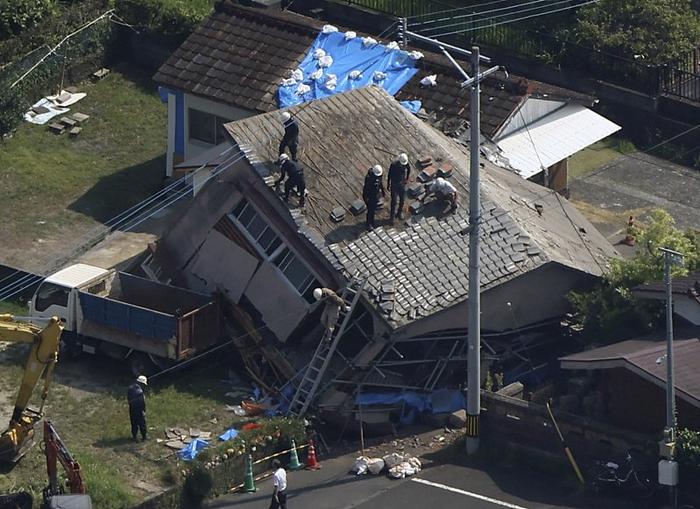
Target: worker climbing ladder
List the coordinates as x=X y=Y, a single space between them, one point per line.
x=306 y=391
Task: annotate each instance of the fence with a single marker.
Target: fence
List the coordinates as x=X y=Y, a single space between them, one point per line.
x=680 y=78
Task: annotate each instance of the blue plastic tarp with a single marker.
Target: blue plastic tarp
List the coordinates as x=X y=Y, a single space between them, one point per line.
x=437 y=402
x=412 y=106
x=348 y=56
x=190 y=451
x=229 y=434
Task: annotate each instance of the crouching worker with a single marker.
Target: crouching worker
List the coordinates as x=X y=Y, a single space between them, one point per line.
x=333 y=303
x=443 y=191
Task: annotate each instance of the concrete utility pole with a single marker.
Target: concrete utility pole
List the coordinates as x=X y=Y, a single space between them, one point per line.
x=474 y=339
x=668 y=468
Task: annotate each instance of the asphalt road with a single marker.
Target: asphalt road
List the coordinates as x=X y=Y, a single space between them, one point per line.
x=444 y=486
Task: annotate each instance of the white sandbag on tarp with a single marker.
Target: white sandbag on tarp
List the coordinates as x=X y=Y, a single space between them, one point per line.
x=392 y=45
x=316 y=74
x=329 y=29
x=379 y=76
x=416 y=55
x=288 y=82
x=303 y=89
x=297 y=74
x=350 y=35
x=355 y=75
x=325 y=61
x=331 y=81
x=319 y=53
x=368 y=41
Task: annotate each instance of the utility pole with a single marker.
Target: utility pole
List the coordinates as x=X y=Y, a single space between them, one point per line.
x=474 y=230
x=668 y=468
x=474 y=340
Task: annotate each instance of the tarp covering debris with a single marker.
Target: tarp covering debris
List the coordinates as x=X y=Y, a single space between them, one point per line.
x=338 y=62
x=229 y=434
x=412 y=106
x=437 y=402
x=189 y=452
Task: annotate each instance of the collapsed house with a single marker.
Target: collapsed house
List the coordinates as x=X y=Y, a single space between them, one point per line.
x=239 y=239
x=232 y=66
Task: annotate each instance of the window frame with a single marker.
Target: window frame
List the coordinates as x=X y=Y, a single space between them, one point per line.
x=54 y=302
x=277 y=257
x=217 y=130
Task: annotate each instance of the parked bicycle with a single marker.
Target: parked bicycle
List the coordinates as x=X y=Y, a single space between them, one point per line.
x=609 y=476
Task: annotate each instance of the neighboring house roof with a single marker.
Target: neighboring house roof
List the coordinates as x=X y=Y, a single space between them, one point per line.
x=645 y=358
x=426 y=258
x=679 y=286
x=553 y=137
x=239 y=56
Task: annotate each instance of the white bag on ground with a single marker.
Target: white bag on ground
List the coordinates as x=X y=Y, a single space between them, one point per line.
x=396 y=472
x=393 y=459
x=360 y=466
x=375 y=465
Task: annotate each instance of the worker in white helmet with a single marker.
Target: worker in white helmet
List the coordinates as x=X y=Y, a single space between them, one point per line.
x=370 y=193
x=397 y=179
x=444 y=191
x=331 y=311
x=137 y=407
x=291 y=135
x=295 y=178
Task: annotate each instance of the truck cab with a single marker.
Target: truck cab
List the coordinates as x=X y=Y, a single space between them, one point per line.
x=57 y=295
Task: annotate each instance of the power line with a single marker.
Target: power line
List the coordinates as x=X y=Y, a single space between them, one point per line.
x=488 y=25
x=456 y=9
x=482 y=13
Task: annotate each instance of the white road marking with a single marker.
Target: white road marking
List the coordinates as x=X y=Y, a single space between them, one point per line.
x=468 y=493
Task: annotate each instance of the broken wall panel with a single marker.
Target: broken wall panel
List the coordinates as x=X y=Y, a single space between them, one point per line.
x=281 y=307
x=224 y=266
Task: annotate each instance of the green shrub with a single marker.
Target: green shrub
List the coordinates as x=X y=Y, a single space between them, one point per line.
x=19 y=15
x=688 y=442
x=171 y=20
x=198 y=484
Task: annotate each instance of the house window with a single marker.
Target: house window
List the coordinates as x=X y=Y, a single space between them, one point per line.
x=207 y=127
x=270 y=244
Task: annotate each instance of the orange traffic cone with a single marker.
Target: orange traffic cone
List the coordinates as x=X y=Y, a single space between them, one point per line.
x=312 y=463
x=629 y=238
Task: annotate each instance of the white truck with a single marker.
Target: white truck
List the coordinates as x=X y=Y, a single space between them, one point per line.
x=128 y=317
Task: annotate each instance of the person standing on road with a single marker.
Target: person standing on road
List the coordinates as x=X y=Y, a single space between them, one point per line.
x=279 y=483
x=399 y=171
x=291 y=135
x=137 y=407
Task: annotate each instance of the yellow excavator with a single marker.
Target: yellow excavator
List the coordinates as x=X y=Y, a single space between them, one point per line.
x=45 y=341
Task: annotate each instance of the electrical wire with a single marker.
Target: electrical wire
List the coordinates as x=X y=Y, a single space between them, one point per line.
x=489 y=25
x=482 y=13
x=456 y=9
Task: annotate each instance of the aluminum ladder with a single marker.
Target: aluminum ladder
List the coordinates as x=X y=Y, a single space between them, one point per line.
x=306 y=391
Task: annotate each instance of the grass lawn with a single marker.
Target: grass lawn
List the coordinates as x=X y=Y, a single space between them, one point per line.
x=591 y=158
x=87 y=403
x=57 y=188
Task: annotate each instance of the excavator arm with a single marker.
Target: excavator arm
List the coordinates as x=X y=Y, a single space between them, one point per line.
x=40 y=363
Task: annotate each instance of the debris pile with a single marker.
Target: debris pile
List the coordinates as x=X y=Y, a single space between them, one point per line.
x=397 y=466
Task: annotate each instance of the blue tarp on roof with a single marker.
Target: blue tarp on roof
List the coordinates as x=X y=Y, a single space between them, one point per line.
x=349 y=55
x=437 y=402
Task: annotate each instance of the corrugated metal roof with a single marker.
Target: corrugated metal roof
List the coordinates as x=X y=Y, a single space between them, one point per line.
x=76 y=275
x=553 y=138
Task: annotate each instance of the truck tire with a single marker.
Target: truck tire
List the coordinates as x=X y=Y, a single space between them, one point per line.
x=140 y=364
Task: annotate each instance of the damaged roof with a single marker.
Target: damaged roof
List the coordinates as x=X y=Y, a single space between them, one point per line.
x=240 y=55
x=419 y=266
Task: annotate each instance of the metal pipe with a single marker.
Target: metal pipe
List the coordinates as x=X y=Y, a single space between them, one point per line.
x=433 y=42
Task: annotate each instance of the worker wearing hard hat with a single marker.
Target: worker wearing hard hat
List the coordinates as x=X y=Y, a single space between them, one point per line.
x=443 y=191
x=331 y=311
x=137 y=407
x=295 y=178
x=370 y=193
x=291 y=135
x=397 y=179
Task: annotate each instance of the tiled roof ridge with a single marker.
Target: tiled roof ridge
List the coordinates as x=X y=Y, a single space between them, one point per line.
x=284 y=18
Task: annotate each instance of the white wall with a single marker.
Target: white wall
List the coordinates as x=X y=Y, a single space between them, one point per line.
x=194 y=147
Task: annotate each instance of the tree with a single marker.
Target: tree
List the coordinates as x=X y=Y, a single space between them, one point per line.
x=610 y=309
x=653 y=31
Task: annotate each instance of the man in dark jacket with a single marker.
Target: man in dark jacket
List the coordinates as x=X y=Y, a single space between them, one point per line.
x=398 y=177
x=291 y=135
x=370 y=193
x=137 y=407
x=295 y=178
